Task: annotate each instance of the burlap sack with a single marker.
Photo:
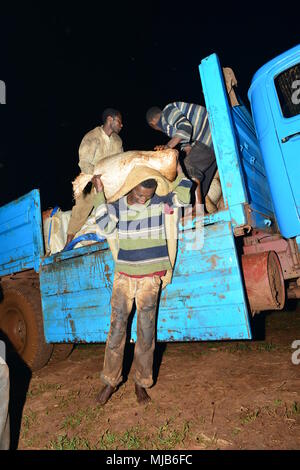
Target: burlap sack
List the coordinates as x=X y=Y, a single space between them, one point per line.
x=214 y=195
x=119 y=173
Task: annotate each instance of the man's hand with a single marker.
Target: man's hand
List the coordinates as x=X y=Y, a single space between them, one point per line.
x=160 y=147
x=96 y=180
x=179 y=169
x=187 y=149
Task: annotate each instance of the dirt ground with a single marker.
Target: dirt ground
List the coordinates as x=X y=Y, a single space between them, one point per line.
x=209 y=395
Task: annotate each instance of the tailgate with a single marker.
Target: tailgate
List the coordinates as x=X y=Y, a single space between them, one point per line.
x=21 y=241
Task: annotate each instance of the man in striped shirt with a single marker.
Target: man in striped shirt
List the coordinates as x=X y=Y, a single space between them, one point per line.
x=139 y=220
x=187 y=124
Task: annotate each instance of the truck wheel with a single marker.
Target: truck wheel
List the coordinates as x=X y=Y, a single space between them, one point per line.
x=60 y=352
x=22 y=321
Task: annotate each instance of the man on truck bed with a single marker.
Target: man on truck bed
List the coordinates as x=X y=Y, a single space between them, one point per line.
x=187 y=123
x=97 y=144
x=142 y=261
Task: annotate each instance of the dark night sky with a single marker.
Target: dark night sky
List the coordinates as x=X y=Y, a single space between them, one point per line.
x=64 y=64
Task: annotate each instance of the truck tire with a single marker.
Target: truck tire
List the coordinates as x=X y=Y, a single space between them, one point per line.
x=22 y=321
x=60 y=352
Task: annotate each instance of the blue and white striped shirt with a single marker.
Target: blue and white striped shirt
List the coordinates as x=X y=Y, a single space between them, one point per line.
x=186 y=120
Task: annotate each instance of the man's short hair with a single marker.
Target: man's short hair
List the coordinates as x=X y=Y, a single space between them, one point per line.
x=150 y=183
x=152 y=112
x=110 y=112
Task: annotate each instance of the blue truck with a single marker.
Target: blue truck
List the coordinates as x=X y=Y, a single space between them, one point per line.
x=249 y=261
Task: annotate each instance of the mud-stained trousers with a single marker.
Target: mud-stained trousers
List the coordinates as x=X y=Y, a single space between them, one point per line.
x=145 y=292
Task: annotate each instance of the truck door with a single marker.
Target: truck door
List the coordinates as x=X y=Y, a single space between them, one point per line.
x=287 y=123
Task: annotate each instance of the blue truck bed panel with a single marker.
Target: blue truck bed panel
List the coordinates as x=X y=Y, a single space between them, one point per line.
x=223 y=135
x=257 y=187
x=21 y=242
x=204 y=302
x=240 y=163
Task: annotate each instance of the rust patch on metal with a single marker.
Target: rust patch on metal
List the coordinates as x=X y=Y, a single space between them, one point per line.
x=213 y=260
x=107 y=274
x=72 y=325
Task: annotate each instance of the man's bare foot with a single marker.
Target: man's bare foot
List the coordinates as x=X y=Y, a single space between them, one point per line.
x=105 y=394
x=141 y=394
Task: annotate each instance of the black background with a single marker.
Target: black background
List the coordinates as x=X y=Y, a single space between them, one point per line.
x=64 y=63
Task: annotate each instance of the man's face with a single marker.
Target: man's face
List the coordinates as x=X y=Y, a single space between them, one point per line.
x=116 y=123
x=140 y=195
x=154 y=122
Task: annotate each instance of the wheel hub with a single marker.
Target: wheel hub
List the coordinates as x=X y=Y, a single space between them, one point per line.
x=14 y=327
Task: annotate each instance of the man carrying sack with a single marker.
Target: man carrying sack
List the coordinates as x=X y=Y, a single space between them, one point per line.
x=142 y=261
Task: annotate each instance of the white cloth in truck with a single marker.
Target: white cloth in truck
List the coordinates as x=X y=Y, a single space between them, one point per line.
x=57 y=226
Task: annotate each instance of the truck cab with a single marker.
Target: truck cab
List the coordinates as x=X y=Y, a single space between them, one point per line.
x=274 y=95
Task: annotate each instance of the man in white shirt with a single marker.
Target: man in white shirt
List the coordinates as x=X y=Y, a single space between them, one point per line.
x=97 y=144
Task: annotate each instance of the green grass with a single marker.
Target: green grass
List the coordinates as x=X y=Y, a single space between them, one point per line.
x=250 y=416
x=239 y=347
x=236 y=431
x=63 y=442
x=266 y=347
x=130 y=439
x=65 y=401
x=107 y=441
x=168 y=437
x=293 y=409
x=27 y=420
x=88 y=414
x=42 y=388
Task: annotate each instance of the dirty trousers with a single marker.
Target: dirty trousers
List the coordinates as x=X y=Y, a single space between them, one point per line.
x=80 y=212
x=145 y=293
x=201 y=163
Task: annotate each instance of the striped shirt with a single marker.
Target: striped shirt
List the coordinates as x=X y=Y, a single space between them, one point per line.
x=186 y=120
x=140 y=228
